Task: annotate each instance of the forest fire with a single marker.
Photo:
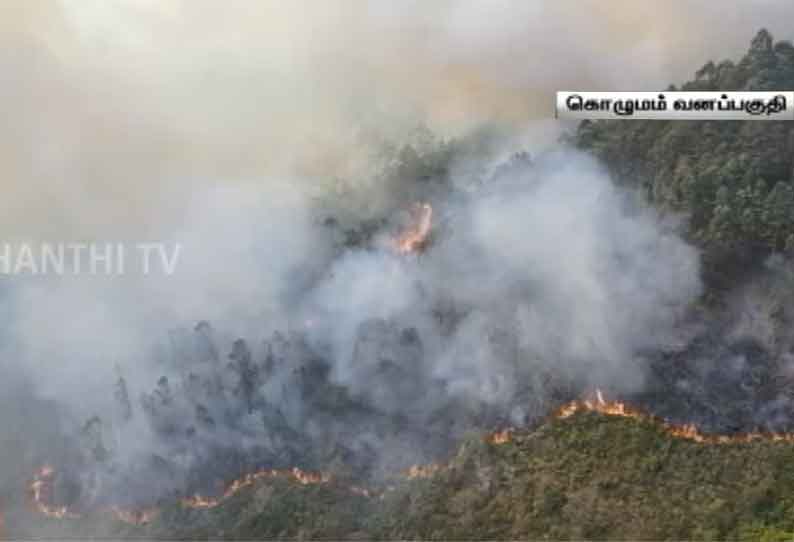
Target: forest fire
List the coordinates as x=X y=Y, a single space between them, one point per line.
x=423 y=471
x=414 y=239
x=42 y=486
x=41 y=489
x=135 y=517
x=295 y=474
x=686 y=431
x=598 y=404
x=500 y=437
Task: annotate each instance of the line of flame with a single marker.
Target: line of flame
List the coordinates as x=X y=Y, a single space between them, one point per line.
x=42 y=484
x=423 y=471
x=686 y=431
x=44 y=476
x=296 y=474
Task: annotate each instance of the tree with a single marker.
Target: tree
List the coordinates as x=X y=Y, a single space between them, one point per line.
x=91 y=434
x=247 y=372
x=732 y=179
x=122 y=397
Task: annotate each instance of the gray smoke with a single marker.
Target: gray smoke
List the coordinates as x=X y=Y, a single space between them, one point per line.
x=236 y=131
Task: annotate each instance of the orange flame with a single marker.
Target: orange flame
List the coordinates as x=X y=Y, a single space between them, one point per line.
x=42 y=485
x=427 y=471
x=41 y=488
x=295 y=474
x=414 y=239
x=133 y=516
x=686 y=431
x=500 y=437
x=423 y=471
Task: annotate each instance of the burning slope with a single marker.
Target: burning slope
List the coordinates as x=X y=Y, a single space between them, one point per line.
x=598 y=404
x=686 y=431
x=135 y=516
x=41 y=487
x=414 y=238
x=41 y=490
x=499 y=437
x=300 y=476
x=422 y=471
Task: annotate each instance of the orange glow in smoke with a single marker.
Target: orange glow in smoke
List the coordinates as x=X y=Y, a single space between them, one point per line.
x=414 y=238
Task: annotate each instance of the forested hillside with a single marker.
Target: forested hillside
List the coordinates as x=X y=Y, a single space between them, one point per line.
x=590 y=476
x=733 y=180
x=583 y=476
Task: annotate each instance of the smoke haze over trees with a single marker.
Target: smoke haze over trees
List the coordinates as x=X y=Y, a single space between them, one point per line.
x=292 y=333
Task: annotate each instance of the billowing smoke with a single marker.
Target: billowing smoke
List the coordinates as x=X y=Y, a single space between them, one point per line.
x=551 y=256
x=541 y=280
x=267 y=140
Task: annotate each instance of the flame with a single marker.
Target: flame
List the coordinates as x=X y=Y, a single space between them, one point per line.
x=427 y=471
x=41 y=488
x=133 y=516
x=198 y=501
x=295 y=474
x=423 y=471
x=307 y=478
x=414 y=239
x=597 y=403
x=686 y=431
x=500 y=437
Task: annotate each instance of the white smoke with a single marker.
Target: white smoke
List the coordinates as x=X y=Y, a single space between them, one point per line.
x=221 y=127
x=571 y=267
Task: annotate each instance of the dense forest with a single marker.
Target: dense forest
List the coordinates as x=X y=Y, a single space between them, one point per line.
x=734 y=181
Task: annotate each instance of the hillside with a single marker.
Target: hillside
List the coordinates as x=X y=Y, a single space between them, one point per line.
x=590 y=475
x=733 y=180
